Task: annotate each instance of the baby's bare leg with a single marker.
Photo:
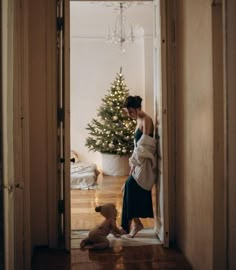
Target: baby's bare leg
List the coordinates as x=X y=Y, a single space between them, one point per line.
x=101 y=242
x=85 y=242
x=102 y=245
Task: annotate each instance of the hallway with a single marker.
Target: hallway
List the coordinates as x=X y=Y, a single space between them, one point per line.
x=127 y=258
x=198 y=44
x=118 y=256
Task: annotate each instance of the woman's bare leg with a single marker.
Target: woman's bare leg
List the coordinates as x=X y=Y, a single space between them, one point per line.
x=125 y=226
x=138 y=226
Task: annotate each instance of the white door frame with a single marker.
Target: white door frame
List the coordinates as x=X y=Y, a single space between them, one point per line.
x=63 y=124
x=161 y=120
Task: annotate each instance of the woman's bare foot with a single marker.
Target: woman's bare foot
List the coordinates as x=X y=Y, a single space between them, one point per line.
x=135 y=230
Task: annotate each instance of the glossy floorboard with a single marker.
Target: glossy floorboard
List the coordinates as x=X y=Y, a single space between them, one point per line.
x=83 y=202
x=143 y=238
x=117 y=257
x=127 y=258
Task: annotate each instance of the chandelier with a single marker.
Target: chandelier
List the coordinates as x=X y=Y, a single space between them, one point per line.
x=119 y=34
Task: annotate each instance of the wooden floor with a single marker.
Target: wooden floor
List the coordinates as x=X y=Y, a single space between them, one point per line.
x=83 y=203
x=121 y=258
x=83 y=216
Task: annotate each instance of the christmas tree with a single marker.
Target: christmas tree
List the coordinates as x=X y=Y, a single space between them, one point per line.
x=113 y=131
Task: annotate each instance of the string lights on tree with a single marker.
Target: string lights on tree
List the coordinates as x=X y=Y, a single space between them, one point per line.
x=113 y=131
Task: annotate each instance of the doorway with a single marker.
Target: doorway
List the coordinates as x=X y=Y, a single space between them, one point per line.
x=89 y=52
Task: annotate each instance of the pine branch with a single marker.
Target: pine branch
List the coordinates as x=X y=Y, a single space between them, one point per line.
x=112 y=132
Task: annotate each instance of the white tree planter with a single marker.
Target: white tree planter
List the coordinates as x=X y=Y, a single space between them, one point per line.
x=115 y=165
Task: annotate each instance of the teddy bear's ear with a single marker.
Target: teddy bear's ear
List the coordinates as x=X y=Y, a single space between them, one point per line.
x=98 y=209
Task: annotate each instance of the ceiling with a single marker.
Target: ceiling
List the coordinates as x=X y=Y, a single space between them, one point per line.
x=92 y=19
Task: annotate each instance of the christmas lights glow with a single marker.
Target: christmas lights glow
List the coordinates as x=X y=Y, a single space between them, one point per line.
x=113 y=131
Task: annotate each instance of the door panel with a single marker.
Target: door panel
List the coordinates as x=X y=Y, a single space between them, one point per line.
x=15 y=145
x=18 y=142
x=7 y=135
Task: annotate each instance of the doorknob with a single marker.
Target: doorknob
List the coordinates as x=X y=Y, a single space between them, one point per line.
x=8 y=187
x=72 y=160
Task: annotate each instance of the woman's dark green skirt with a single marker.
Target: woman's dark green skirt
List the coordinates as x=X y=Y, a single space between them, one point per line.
x=137 y=203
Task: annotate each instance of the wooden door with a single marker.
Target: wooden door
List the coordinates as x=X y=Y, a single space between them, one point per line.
x=21 y=188
x=14 y=84
x=7 y=132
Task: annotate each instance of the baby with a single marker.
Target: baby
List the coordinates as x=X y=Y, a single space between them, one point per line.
x=97 y=237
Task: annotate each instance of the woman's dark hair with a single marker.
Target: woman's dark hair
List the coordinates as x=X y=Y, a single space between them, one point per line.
x=133 y=102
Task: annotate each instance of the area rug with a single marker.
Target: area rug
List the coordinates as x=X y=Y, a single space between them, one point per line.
x=143 y=238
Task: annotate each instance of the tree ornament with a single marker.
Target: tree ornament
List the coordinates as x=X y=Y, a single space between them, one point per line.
x=111 y=145
x=113 y=131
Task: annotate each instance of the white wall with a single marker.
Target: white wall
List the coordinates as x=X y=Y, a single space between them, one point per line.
x=148 y=69
x=94 y=65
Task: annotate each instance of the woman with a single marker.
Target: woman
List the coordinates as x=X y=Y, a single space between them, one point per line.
x=137 y=198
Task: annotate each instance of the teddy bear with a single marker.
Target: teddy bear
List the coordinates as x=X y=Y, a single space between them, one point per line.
x=97 y=237
x=74 y=156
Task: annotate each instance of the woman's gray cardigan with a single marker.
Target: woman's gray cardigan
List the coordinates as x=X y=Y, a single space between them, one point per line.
x=144 y=161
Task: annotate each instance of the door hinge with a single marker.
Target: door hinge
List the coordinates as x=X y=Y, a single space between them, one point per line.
x=60 y=115
x=62 y=160
x=61 y=206
x=60 y=23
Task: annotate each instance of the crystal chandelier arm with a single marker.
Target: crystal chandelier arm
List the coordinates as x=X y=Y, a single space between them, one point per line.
x=119 y=35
